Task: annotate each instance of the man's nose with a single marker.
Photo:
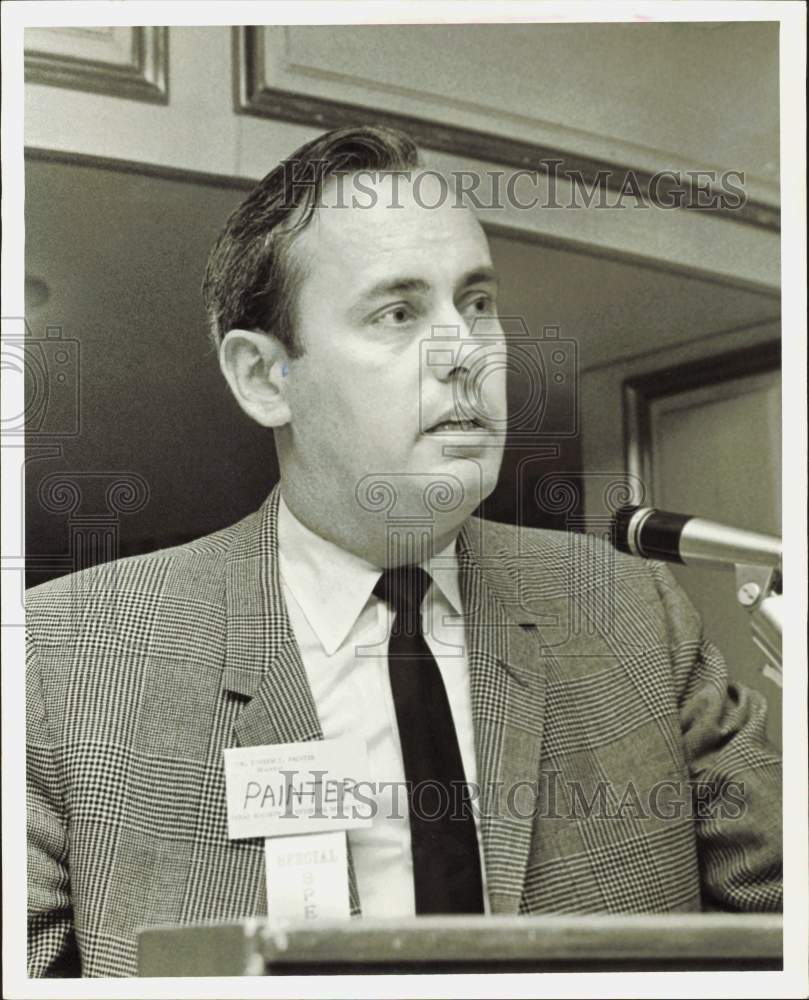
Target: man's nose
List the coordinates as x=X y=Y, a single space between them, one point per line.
x=463 y=351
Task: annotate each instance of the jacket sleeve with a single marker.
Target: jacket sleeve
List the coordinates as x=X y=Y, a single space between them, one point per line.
x=52 y=949
x=735 y=772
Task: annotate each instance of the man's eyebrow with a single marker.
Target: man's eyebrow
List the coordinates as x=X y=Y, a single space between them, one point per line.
x=405 y=285
x=394 y=286
x=480 y=275
x=418 y=286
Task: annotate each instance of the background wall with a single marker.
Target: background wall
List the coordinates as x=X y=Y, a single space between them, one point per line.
x=125 y=196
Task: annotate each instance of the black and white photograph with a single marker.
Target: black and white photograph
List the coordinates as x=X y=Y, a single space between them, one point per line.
x=404 y=499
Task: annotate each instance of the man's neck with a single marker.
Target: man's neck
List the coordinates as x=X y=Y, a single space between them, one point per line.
x=375 y=541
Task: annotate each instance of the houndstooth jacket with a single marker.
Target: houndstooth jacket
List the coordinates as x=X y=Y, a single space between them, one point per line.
x=600 y=714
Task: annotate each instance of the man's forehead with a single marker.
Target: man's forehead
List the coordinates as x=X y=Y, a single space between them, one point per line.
x=373 y=213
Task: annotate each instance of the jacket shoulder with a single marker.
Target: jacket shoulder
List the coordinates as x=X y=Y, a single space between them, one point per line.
x=122 y=598
x=573 y=566
x=203 y=553
x=550 y=545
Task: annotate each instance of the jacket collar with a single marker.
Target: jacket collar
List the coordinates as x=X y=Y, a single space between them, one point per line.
x=262 y=659
x=332 y=586
x=507 y=676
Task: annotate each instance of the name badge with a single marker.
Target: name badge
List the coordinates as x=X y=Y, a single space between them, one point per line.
x=307 y=877
x=291 y=789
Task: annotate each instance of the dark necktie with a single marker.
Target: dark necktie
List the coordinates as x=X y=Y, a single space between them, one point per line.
x=446 y=862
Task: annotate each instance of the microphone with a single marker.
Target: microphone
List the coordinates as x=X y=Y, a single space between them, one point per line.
x=694 y=541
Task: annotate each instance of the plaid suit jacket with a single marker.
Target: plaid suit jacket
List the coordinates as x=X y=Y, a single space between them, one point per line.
x=620 y=770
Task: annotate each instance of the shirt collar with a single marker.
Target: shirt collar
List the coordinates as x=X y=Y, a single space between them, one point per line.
x=333 y=586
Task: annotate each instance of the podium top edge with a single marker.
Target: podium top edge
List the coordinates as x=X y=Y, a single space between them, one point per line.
x=647 y=938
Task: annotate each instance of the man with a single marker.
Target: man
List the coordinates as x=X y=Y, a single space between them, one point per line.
x=617 y=770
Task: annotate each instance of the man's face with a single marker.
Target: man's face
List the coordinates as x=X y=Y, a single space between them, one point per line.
x=396 y=318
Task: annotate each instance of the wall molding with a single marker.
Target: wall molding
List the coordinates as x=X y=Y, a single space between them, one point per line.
x=238 y=183
x=255 y=95
x=182 y=174
x=144 y=77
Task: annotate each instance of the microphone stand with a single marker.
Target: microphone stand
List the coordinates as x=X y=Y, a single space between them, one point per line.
x=693 y=541
x=758 y=590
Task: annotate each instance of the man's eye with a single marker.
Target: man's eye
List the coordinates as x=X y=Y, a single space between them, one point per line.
x=480 y=305
x=397 y=315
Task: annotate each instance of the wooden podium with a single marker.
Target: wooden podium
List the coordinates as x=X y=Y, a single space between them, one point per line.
x=631 y=942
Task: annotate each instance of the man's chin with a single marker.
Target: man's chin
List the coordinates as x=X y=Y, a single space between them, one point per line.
x=476 y=472
x=433 y=503
x=458 y=493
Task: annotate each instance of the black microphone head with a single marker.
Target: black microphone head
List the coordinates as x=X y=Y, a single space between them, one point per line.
x=649 y=532
x=620 y=527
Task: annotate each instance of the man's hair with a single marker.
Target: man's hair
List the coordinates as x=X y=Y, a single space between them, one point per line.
x=250 y=281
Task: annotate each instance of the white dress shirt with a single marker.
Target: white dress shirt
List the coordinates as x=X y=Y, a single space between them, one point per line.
x=342 y=630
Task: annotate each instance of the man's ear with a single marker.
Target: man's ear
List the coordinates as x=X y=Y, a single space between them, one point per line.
x=255 y=366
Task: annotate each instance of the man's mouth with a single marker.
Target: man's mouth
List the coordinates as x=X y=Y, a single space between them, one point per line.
x=455 y=426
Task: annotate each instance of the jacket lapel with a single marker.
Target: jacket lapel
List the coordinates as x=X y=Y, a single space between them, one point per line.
x=263 y=663
x=507 y=674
